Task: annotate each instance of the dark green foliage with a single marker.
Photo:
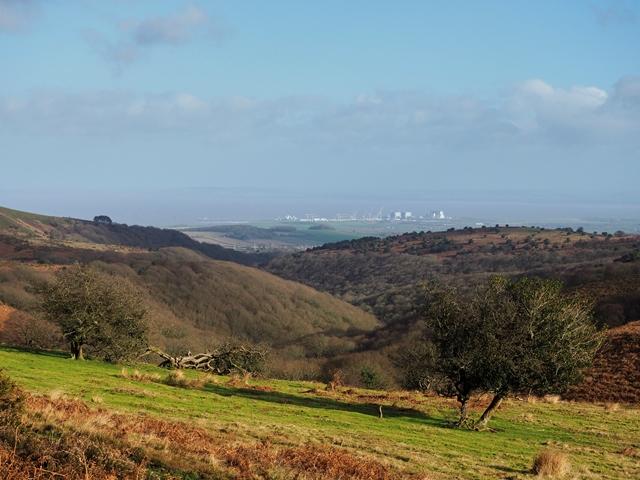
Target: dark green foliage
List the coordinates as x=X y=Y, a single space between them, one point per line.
x=96 y=310
x=102 y=219
x=370 y=378
x=417 y=363
x=538 y=339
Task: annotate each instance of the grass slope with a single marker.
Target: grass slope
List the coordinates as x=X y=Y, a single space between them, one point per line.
x=412 y=440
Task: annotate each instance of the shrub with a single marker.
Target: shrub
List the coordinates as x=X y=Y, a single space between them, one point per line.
x=176 y=378
x=11 y=401
x=370 y=378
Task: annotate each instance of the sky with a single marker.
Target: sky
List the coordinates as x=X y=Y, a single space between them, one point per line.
x=124 y=105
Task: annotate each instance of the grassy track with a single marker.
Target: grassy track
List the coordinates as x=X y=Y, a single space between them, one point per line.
x=414 y=436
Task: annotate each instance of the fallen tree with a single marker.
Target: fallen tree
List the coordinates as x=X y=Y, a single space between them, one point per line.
x=223 y=360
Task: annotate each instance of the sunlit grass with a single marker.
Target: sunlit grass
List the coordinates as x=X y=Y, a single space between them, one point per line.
x=414 y=434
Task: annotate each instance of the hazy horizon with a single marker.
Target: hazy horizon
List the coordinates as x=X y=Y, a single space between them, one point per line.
x=205 y=205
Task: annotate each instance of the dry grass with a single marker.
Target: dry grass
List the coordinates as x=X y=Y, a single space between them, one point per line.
x=630 y=452
x=312 y=461
x=612 y=406
x=238 y=380
x=551 y=463
x=177 y=378
x=139 y=376
x=615 y=374
x=552 y=399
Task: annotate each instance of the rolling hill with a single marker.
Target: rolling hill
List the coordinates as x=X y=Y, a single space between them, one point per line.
x=75 y=232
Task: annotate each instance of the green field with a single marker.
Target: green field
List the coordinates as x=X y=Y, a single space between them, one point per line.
x=414 y=436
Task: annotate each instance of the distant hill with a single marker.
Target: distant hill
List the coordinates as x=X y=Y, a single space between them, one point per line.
x=385 y=275
x=62 y=229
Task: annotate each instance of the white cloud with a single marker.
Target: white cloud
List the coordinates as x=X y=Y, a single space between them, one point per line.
x=534 y=113
x=133 y=38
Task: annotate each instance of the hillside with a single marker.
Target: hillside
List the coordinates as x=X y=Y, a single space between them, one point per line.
x=193 y=301
x=384 y=276
x=219 y=427
x=76 y=232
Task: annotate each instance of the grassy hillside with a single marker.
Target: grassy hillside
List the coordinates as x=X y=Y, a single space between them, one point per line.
x=220 y=427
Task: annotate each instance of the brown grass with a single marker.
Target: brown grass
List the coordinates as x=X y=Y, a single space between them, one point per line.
x=551 y=399
x=313 y=461
x=130 y=442
x=177 y=378
x=551 y=463
x=615 y=375
x=612 y=406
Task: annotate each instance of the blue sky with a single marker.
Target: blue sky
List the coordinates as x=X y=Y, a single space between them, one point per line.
x=331 y=96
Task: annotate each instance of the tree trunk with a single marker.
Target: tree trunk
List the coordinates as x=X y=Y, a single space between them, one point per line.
x=464 y=413
x=486 y=415
x=76 y=351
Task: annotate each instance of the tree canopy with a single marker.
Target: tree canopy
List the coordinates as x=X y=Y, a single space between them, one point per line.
x=96 y=310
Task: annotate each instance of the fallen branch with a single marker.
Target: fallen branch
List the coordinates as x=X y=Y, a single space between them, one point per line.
x=224 y=360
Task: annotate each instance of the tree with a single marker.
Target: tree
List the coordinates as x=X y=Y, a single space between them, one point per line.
x=455 y=361
x=538 y=339
x=102 y=219
x=521 y=336
x=96 y=310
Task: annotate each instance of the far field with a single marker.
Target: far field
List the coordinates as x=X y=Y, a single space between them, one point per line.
x=187 y=427
x=291 y=236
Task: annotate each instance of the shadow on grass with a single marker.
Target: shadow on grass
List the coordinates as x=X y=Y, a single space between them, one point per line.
x=323 y=403
x=502 y=468
x=35 y=351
